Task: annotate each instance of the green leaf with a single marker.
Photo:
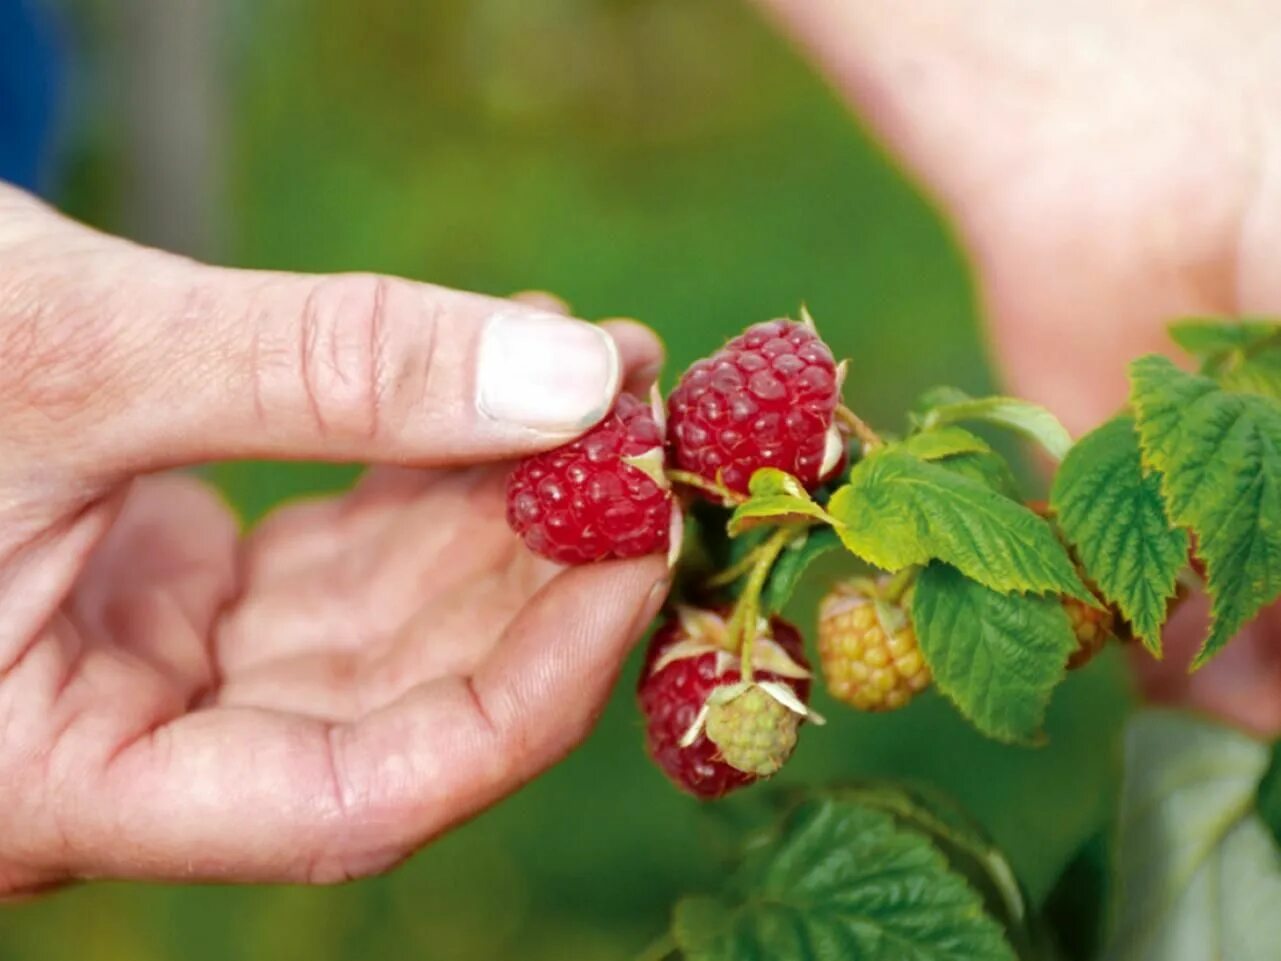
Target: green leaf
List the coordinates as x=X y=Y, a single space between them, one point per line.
x=777 y=497
x=1219 y=454
x=1115 y=517
x=1242 y=355
x=1268 y=797
x=898 y=511
x=838 y=882
x=942 y=442
x=998 y=657
x=1023 y=417
x=1197 y=874
x=792 y=564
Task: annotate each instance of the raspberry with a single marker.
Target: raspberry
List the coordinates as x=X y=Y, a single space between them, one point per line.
x=766 y=399
x=1092 y=628
x=683 y=667
x=585 y=502
x=868 y=648
x=754 y=731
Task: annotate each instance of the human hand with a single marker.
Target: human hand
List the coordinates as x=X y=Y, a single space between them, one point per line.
x=313 y=701
x=1109 y=167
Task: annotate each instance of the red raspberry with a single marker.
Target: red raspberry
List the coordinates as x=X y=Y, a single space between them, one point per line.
x=584 y=502
x=675 y=684
x=765 y=399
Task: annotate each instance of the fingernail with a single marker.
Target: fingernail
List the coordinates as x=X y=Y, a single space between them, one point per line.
x=545 y=373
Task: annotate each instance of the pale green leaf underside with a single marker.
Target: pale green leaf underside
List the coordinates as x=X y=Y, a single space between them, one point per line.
x=1023 y=417
x=1198 y=874
x=1219 y=454
x=940 y=442
x=1115 y=517
x=841 y=883
x=776 y=496
x=998 y=657
x=898 y=511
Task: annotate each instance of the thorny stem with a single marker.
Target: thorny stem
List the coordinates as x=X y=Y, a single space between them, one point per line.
x=726 y=496
x=869 y=438
x=747 y=610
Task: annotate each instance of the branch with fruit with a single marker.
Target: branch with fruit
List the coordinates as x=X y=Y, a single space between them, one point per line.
x=755 y=467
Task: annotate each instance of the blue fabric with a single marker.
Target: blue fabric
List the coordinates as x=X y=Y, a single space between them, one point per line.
x=30 y=83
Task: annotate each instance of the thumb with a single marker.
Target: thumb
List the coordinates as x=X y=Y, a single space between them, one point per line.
x=133 y=360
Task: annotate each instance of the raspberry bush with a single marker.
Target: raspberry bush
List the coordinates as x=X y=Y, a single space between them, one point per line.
x=956 y=581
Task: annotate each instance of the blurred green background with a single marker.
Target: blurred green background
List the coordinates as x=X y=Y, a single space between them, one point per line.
x=671 y=160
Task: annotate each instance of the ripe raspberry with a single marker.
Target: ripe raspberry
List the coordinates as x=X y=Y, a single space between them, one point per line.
x=1092 y=628
x=869 y=651
x=766 y=399
x=683 y=667
x=754 y=731
x=585 y=502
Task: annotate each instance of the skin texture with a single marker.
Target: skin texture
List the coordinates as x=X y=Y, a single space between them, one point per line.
x=1109 y=165
x=311 y=702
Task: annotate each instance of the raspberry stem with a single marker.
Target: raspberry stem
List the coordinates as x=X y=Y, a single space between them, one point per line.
x=727 y=497
x=743 y=623
x=898 y=584
x=869 y=438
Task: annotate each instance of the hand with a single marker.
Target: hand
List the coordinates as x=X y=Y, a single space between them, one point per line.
x=1110 y=167
x=317 y=699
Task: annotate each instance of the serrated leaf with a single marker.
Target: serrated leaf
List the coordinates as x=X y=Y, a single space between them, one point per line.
x=792 y=563
x=1023 y=417
x=1242 y=355
x=1197 y=874
x=941 y=442
x=839 y=882
x=774 y=496
x=1219 y=454
x=998 y=657
x=1114 y=515
x=898 y=511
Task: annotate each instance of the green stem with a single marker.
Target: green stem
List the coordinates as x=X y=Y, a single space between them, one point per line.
x=898 y=584
x=869 y=438
x=663 y=948
x=747 y=611
x=726 y=496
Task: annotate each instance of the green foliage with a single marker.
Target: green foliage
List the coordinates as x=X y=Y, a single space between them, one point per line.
x=940 y=443
x=946 y=405
x=1115 y=517
x=898 y=511
x=1219 y=455
x=837 y=881
x=774 y=497
x=1197 y=874
x=997 y=656
x=1268 y=796
x=1241 y=355
x=792 y=564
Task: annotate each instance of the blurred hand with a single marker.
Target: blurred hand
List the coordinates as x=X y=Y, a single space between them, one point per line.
x=1110 y=165
x=315 y=700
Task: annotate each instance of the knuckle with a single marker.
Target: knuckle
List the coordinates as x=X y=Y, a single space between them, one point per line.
x=342 y=352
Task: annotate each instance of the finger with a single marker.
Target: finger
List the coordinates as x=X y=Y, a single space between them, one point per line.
x=333 y=802
x=542 y=300
x=1241 y=684
x=176 y=362
x=642 y=353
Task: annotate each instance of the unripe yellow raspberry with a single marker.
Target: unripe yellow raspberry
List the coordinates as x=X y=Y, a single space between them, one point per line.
x=753 y=731
x=870 y=656
x=1092 y=627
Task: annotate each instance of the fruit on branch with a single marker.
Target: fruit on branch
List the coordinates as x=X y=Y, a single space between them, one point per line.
x=768 y=398
x=868 y=649
x=753 y=726
x=1093 y=629
x=602 y=496
x=685 y=667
